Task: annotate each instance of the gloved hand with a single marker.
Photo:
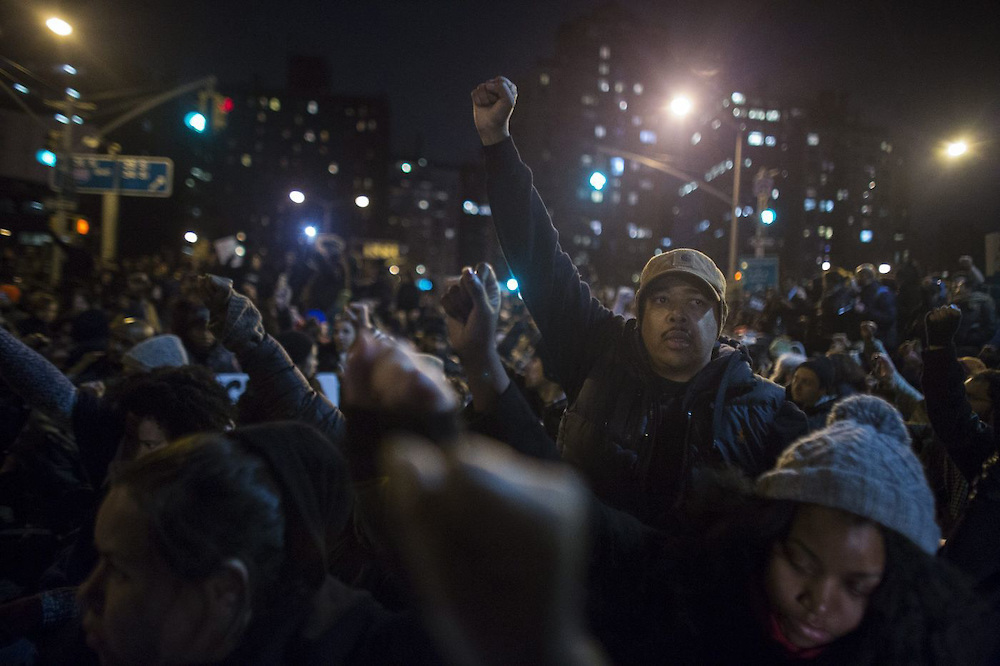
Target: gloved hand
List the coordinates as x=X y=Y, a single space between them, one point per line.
x=942 y=324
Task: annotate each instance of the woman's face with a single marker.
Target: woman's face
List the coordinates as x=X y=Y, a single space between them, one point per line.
x=805 y=387
x=136 y=609
x=820 y=578
x=343 y=335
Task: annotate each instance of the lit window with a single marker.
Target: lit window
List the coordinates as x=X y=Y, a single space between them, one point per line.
x=899 y=237
x=806 y=233
x=310 y=136
x=647 y=136
x=588 y=100
x=586 y=160
x=810 y=191
x=637 y=89
x=596 y=197
x=372 y=124
x=617 y=166
x=755 y=114
x=636 y=121
x=360 y=126
x=866 y=210
x=603 y=69
x=605 y=52
x=887 y=147
x=633 y=198
x=737 y=112
x=334 y=168
x=842 y=195
x=866 y=236
x=718 y=233
x=775 y=193
x=770 y=141
x=312 y=107
x=646 y=184
x=748 y=162
x=826 y=205
x=423 y=204
x=871 y=185
x=755 y=138
x=695 y=138
x=809 y=204
x=603 y=85
x=274 y=104
x=261 y=117
x=623 y=105
x=246 y=160
x=600 y=132
x=812 y=139
x=324 y=136
x=596 y=227
x=738 y=98
x=544 y=79
x=773 y=115
x=703 y=226
x=619 y=87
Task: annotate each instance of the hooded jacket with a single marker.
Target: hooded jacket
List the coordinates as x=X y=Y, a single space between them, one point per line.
x=610 y=431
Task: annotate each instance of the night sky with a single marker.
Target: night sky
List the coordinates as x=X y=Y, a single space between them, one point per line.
x=927 y=74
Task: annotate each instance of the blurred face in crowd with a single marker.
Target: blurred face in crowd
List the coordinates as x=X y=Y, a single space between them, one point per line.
x=679 y=326
x=48 y=311
x=806 y=389
x=199 y=337
x=142 y=435
x=136 y=610
x=343 y=334
x=820 y=578
x=534 y=375
x=311 y=362
x=978 y=393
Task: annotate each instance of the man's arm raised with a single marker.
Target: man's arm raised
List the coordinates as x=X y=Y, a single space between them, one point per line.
x=571 y=321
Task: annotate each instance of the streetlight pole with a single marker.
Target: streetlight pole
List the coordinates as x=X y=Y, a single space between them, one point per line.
x=734 y=225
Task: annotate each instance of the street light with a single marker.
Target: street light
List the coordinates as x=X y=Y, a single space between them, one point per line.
x=296 y=196
x=956 y=149
x=681 y=105
x=362 y=201
x=59 y=26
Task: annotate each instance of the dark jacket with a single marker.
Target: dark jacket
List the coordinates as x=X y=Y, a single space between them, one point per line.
x=974 y=546
x=732 y=417
x=880 y=307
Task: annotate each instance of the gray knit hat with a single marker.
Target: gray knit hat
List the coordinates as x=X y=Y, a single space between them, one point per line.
x=157 y=352
x=872 y=411
x=855 y=468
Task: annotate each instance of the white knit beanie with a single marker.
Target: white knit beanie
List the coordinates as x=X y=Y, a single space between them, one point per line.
x=855 y=468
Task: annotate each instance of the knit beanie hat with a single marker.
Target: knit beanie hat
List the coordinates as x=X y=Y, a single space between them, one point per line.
x=824 y=370
x=856 y=468
x=157 y=352
x=872 y=411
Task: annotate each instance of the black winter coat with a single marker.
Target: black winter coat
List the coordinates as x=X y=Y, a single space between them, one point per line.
x=733 y=417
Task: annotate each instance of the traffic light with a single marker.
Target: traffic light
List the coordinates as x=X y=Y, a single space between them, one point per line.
x=221 y=107
x=768 y=216
x=196 y=121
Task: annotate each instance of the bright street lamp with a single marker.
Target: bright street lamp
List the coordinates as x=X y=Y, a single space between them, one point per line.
x=296 y=196
x=956 y=148
x=681 y=105
x=59 y=26
x=362 y=201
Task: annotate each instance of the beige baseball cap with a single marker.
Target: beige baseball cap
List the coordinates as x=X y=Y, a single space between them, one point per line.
x=690 y=262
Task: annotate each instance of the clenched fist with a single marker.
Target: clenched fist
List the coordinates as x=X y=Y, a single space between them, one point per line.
x=492 y=104
x=942 y=324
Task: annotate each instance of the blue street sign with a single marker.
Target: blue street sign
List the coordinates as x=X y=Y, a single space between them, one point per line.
x=127 y=175
x=758 y=274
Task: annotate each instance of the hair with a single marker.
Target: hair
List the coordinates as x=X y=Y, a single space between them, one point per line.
x=182 y=400
x=297 y=344
x=992 y=379
x=207 y=501
x=847 y=373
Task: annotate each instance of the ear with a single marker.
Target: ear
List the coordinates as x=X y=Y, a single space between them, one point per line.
x=227 y=597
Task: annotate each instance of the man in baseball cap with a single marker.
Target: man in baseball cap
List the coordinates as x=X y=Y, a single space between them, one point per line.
x=652 y=400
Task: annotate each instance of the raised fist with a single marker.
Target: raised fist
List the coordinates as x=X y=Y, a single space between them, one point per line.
x=492 y=104
x=942 y=324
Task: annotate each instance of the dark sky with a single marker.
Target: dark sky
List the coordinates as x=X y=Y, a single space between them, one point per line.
x=927 y=74
x=929 y=71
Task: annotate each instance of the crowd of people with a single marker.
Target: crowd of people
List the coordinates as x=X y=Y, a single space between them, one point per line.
x=574 y=474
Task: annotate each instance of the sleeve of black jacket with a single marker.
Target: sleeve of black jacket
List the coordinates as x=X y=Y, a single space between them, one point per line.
x=968 y=440
x=514 y=423
x=574 y=324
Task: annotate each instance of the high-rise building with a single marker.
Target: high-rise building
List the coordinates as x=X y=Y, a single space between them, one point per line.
x=424 y=213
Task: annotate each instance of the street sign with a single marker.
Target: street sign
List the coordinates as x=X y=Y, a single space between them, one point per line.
x=127 y=175
x=758 y=274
